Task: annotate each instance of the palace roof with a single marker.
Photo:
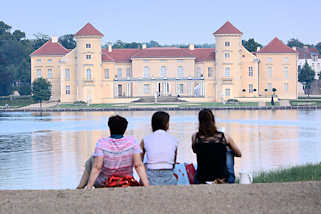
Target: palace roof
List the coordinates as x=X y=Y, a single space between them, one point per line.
x=88 y=30
x=51 y=48
x=227 y=28
x=125 y=55
x=276 y=46
x=307 y=53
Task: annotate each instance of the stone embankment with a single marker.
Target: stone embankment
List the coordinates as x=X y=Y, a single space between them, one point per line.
x=296 y=197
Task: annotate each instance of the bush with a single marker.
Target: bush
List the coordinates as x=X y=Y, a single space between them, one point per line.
x=80 y=103
x=232 y=101
x=24 y=89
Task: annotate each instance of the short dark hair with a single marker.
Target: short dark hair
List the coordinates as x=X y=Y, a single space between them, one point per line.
x=117 y=124
x=160 y=120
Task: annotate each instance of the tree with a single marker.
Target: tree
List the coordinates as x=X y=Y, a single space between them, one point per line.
x=251 y=45
x=318 y=46
x=295 y=43
x=67 y=41
x=306 y=77
x=24 y=89
x=41 y=90
x=40 y=40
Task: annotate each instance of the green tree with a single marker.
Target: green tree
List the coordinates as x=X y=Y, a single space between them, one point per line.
x=24 y=89
x=67 y=41
x=251 y=45
x=41 y=90
x=295 y=43
x=306 y=77
x=39 y=40
x=318 y=46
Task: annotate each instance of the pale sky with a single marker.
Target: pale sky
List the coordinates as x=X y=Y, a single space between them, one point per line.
x=168 y=21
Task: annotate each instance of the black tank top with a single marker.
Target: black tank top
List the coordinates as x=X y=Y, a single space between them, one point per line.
x=211 y=158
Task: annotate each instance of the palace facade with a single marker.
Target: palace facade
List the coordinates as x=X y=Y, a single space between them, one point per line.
x=94 y=74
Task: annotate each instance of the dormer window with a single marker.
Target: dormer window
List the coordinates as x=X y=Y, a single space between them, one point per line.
x=88 y=45
x=227 y=44
x=88 y=56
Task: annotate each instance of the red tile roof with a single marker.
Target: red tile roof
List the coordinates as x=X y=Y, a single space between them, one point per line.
x=125 y=55
x=88 y=30
x=51 y=48
x=163 y=52
x=306 y=52
x=228 y=28
x=202 y=54
x=276 y=46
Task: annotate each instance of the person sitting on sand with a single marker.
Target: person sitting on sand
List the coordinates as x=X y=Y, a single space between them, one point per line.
x=211 y=147
x=160 y=151
x=114 y=156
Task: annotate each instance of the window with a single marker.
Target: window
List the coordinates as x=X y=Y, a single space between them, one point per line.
x=180 y=88
x=269 y=86
x=163 y=60
x=146 y=60
x=198 y=72
x=88 y=74
x=286 y=87
x=49 y=60
x=38 y=60
x=106 y=73
x=269 y=60
x=88 y=56
x=38 y=73
x=163 y=71
x=286 y=72
x=318 y=66
x=88 y=45
x=227 y=55
x=180 y=71
x=49 y=73
x=179 y=60
x=67 y=74
x=146 y=88
x=227 y=92
x=286 y=60
x=128 y=73
x=210 y=71
x=269 y=72
x=119 y=73
x=227 y=72
x=250 y=71
x=146 y=72
x=250 y=88
x=227 y=44
x=314 y=57
x=67 y=89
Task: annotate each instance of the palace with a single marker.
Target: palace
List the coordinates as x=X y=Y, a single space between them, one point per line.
x=94 y=74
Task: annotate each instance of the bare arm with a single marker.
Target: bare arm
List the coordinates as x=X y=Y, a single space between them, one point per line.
x=143 y=149
x=233 y=146
x=140 y=169
x=98 y=164
x=193 y=142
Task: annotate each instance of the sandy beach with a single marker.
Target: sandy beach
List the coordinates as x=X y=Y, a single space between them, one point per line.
x=296 y=197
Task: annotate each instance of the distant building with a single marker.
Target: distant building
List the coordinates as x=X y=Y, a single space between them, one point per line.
x=93 y=74
x=312 y=56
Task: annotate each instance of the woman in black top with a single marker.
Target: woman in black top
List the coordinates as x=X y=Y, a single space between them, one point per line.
x=211 y=147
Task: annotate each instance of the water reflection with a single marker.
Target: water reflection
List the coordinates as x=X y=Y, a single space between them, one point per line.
x=49 y=152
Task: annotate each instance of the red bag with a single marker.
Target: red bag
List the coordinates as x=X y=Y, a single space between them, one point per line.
x=190 y=169
x=119 y=181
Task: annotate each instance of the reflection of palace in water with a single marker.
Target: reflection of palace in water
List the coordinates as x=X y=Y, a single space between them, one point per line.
x=58 y=157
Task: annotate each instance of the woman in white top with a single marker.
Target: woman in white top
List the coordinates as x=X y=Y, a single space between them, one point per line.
x=160 y=151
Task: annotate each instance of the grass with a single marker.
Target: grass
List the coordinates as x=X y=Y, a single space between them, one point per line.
x=309 y=172
x=183 y=105
x=305 y=102
x=16 y=102
x=269 y=104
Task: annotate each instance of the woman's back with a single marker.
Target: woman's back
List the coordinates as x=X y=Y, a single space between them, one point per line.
x=211 y=157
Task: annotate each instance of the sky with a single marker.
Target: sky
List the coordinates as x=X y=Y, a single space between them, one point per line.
x=168 y=21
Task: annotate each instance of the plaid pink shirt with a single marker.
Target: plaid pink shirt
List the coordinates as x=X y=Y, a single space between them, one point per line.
x=118 y=156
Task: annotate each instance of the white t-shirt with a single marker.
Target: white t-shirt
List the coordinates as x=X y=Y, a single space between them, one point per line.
x=160 y=150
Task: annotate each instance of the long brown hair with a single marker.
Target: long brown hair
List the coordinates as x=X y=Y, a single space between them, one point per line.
x=207 y=126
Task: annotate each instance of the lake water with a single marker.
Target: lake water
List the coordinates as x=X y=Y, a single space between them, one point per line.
x=48 y=152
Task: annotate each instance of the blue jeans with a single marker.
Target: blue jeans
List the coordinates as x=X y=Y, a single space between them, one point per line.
x=161 y=177
x=229 y=166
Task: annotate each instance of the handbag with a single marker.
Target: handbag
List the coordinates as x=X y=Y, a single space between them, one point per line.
x=121 y=181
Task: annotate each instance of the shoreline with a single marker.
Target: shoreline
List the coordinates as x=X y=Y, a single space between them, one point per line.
x=157 y=108
x=292 y=197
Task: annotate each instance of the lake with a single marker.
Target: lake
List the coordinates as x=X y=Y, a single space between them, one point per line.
x=49 y=151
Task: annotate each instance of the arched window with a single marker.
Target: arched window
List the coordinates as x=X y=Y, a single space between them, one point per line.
x=146 y=72
x=88 y=74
